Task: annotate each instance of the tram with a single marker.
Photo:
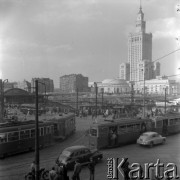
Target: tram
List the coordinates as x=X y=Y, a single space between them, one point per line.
x=19 y=136
x=167 y=124
x=112 y=133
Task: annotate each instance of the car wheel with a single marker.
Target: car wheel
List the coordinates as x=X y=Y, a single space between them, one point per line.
x=151 y=144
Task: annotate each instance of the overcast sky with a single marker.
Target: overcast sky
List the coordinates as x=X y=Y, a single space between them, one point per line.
x=51 y=38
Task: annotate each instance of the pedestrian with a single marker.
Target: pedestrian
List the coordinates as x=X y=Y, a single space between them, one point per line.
x=91 y=167
x=52 y=174
x=33 y=167
x=77 y=170
x=64 y=172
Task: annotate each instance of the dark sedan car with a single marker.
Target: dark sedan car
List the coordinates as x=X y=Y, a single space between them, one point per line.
x=80 y=153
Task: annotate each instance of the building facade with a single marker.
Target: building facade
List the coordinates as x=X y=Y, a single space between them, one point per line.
x=114 y=86
x=70 y=83
x=44 y=85
x=158 y=86
x=124 y=71
x=139 y=47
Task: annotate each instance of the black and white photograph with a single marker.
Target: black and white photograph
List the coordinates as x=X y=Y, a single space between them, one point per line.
x=89 y=89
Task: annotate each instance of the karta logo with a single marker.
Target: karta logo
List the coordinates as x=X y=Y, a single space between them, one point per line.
x=136 y=171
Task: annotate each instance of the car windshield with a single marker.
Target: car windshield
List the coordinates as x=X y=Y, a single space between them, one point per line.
x=66 y=153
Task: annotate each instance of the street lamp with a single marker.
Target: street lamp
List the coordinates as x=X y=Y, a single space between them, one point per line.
x=37 y=130
x=77 y=91
x=95 y=85
x=2 y=98
x=143 y=71
x=165 y=94
x=102 y=91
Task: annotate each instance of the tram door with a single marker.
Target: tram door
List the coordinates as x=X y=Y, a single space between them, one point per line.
x=164 y=127
x=113 y=137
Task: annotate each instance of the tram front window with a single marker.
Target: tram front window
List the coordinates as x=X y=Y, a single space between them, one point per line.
x=93 y=132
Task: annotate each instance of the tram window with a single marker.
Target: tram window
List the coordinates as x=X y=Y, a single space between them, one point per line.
x=52 y=129
x=24 y=134
x=32 y=133
x=122 y=129
x=129 y=128
x=172 y=122
x=93 y=132
x=42 y=131
x=13 y=136
x=48 y=130
x=136 y=127
x=55 y=127
x=158 y=123
x=3 y=138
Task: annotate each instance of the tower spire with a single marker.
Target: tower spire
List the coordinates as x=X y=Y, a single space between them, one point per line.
x=140 y=5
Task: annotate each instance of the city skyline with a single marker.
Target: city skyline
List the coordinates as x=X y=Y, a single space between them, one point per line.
x=87 y=37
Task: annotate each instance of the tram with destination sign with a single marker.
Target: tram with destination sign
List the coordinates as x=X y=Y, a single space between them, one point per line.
x=113 y=133
x=19 y=136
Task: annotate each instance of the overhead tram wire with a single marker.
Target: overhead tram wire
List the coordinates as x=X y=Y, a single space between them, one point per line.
x=172 y=52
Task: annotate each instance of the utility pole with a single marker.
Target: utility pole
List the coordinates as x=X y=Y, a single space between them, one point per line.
x=165 y=101
x=102 y=97
x=144 y=94
x=95 y=85
x=2 y=101
x=37 y=135
x=77 y=101
x=132 y=93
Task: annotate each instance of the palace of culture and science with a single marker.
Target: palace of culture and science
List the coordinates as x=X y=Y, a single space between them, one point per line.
x=140 y=67
x=139 y=54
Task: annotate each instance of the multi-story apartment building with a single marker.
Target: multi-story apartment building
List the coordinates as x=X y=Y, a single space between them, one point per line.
x=124 y=71
x=139 y=47
x=45 y=84
x=70 y=83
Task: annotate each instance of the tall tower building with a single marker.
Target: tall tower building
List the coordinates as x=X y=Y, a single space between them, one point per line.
x=139 y=47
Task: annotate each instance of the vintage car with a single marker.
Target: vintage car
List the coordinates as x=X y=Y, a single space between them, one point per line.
x=80 y=153
x=151 y=139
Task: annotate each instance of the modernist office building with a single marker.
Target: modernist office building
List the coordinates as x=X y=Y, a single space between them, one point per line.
x=70 y=83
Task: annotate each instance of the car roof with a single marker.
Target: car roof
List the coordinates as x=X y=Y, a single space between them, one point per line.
x=149 y=133
x=74 y=148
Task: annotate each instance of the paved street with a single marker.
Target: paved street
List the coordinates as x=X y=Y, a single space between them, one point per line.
x=15 y=167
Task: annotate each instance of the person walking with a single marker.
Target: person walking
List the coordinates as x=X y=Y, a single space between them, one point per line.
x=77 y=170
x=52 y=174
x=91 y=167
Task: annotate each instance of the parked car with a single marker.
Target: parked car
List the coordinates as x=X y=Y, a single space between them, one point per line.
x=151 y=139
x=80 y=153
